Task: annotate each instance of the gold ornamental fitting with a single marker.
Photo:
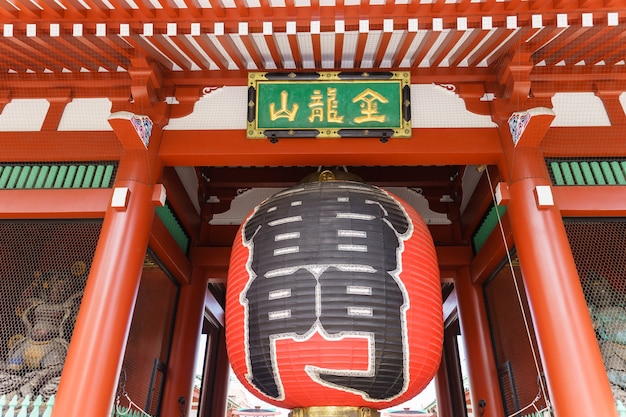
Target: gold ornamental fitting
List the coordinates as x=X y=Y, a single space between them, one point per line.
x=334 y=411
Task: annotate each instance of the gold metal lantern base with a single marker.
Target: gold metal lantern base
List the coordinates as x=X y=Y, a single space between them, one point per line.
x=334 y=411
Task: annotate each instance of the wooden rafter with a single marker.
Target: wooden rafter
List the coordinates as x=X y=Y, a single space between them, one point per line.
x=96 y=45
x=183 y=60
x=551 y=53
x=271 y=44
x=446 y=46
x=295 y=50
x=472 y=41
x=231 y=49
x=488 y=47
x=98 y=9
x=424 y=47
x=382 y=48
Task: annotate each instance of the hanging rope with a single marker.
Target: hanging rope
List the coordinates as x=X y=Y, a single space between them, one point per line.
x=120 y=410
x=542 y=388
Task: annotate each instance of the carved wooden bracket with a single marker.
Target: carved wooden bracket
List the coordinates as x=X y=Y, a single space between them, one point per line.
x=5 y=98
x=610 y=95
x=475 y=97
x=58 y=99
x=186 y=98
x=514 y=83
x=150 y=95
x=146 y=81
x=514 y=75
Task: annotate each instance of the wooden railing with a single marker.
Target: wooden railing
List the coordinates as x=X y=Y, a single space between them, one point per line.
x=25 y=407
x=621 y=411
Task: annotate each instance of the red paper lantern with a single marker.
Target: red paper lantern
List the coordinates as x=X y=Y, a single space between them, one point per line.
x=334 y=298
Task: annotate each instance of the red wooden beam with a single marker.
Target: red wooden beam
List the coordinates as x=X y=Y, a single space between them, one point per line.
x=584 y=201
x=428 y=147
x=59 y=146
x=59 y=203
x=559 y=141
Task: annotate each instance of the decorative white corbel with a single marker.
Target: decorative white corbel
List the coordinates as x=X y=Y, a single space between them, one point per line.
x=529 y=127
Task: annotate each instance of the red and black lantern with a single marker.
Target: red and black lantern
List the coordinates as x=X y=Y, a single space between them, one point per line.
x=334 y=299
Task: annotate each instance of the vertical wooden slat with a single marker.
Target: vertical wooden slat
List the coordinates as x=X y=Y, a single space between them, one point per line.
x=49 y=405
x=51 y=179
x=608 y=173
x=617 y=171
x=69 y=176
x=597 y=173
x=32 y=177
x=97 y=177
x=4 y=178
x=41 y=178
x=556 y=173
x=12 y=404
x=567 y=173
x=108 y=176
x=587 y=173
x=15 y=175
x=24 y=407
x=21 y=180
x=36 y=407
x=87 y=180
x=60 y=178
x=80 y=175
x=578 y=174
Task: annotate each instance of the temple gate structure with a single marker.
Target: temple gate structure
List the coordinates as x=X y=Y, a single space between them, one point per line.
x=134 y=143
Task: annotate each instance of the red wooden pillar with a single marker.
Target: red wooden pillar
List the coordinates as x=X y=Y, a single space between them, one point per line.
x=97 y=348
x=96 y=351
x=442 y=390
x=187 y=331
x=220 y=389
x=481 y=367
x=575 y=374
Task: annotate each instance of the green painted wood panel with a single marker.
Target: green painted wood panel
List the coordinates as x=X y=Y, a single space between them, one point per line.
x=587 y=172
x=50 y=176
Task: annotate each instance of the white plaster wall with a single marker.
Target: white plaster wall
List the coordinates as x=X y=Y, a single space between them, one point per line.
x=432 y=106
x=224 y=108
x=86 y=114
x=24 y=115
x=579 y=109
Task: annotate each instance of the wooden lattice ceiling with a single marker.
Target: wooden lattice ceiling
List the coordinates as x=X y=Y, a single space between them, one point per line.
x=217 y=42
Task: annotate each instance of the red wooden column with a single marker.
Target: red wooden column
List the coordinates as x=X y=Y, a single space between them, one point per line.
x=219 y=398
x=575 y=374
x=481 y=367
x=96 y=351
x=187 y=331
x=442 y=390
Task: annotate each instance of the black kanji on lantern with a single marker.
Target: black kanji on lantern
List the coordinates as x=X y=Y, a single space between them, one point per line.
x=325 y=257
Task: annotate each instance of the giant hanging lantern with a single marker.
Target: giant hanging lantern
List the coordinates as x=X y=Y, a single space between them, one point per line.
x=334 y=299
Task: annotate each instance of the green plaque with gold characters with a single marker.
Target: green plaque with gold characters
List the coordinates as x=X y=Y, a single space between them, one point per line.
x=329 y=105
